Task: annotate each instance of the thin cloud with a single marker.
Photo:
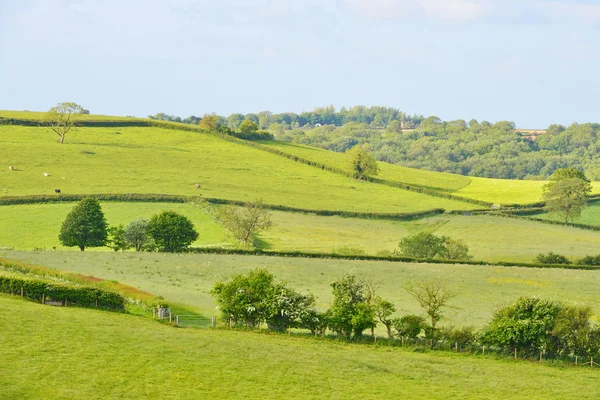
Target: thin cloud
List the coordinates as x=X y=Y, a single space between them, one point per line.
x=571 y=12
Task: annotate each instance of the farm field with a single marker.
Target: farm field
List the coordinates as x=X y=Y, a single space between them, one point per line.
x=153 y=160
x=500 y=191
x=489 y=238
x=188 y=278
x=589 y=216
x=435 y=180
x=105 y=355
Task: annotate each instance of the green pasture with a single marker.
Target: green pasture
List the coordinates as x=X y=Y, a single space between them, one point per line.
x=499 y=191
x=153 y=160
x=489 y=238
x=72 y=353
x=589 y=216
x=436 y=180
x=188 y=278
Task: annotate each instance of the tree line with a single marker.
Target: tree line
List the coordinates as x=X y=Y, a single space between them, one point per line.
x=529 y=325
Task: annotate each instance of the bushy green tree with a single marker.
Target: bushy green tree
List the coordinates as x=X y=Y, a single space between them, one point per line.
x=360 y=163
x=422 y=245
x=383 y=311
x=136 y=234
x=566 y=194
x=172 y=232
x=85 y=226
x=410 y=326
x=248 y=126
x=116 y=238
x=455 y=249
x=351 y=313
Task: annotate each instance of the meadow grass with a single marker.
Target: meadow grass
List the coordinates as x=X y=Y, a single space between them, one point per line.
x=589 y=216
x=153 y=160
x=72 y=353
x=489 y=238
x=499 y=191
x=395 y=173
x=188 y=278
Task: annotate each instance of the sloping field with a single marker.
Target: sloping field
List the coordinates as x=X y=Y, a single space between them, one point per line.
x=435 y=180
x=152 y=160
x=589 y=216
x=499 y=191
x=73 y=354
x=188 y=278
x=489 y=238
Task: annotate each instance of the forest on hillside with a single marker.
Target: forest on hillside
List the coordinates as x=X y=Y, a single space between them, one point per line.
x=484 y=149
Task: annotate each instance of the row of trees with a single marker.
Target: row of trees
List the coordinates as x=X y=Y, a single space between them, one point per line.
x=86 y=226
x=529 y=325
x=475 y=148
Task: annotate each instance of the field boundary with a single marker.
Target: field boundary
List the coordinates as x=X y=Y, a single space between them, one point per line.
x=170 y=198
x=403 y=259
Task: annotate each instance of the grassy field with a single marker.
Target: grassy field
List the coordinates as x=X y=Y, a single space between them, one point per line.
x=152 y=160
x=188 y=278
x=489 y=238
x=500 y=191
x=71 y=353
x=589 y=216
x=396 y=173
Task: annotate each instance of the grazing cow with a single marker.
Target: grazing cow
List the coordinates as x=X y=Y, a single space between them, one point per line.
x=57 y=191
x=46 y=174
x=10 y=167
x=197 y=186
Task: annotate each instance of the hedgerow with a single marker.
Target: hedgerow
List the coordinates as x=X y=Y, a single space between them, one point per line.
x=80 y=296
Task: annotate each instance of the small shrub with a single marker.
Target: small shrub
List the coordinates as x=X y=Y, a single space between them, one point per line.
x=552 y=258
x=590 y=260
x=410 y=326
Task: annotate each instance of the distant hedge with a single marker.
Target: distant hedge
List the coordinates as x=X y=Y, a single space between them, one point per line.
x=88 y=297
x=300 y=254
x=169 y=198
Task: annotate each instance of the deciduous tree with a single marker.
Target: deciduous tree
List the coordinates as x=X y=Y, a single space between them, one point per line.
x=245 y=223
x=61 y=118
x=360 y=164
x=85 y=226
x=172 y=232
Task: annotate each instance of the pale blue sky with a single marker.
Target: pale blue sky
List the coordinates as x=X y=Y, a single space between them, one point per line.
x=533 y=62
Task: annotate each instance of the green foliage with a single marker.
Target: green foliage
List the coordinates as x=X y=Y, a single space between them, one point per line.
x=248 y=126
x=245 y=223
x=136 y=235
x=567 y=193
x=360 y=164
x=350 y=313
x=383 y=312
x=209 y=122
x=79 y=296
x=427 y=245
x=410 y=326
x=464 y=335
x=422 y=245
x=85 y=226
x=172 y=232
x=552 y=258
x=251 y=299
x=116 y=238
x=590 y=260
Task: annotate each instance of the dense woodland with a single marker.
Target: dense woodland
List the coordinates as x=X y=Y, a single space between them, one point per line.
x=471 y=148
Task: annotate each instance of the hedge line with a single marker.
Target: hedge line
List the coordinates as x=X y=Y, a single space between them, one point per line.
x=521 y=214
x=88 y=297
x=300 y=254
x=169 y=198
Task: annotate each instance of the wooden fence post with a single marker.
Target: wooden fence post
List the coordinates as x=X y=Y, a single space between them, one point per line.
x=177 y=320
x=540 y=356
x=21 y=291
x=515 y=353
x=213 y=321
x=456 y=346
x=483 y=348
x=591 y=361
x=402 y=341
x=43 y=298
x=576 y=360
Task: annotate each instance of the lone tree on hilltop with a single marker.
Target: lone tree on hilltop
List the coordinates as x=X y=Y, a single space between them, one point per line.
x=61 y=118
x=245 y=223
x=360 y=163
x=172 y=232
x=85 y=226
x=566 y=194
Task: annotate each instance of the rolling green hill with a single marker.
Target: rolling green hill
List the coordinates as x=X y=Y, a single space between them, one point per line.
x=71 y=353
x=153 y=160
x=489 y=238
x=500 y=191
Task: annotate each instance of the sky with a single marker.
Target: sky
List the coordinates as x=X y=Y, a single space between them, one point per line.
x=534 y=62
